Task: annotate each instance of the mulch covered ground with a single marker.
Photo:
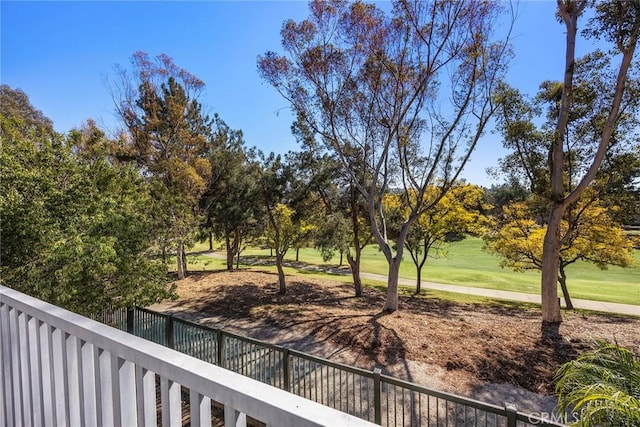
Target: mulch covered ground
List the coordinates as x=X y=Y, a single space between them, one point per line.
x=465 y=345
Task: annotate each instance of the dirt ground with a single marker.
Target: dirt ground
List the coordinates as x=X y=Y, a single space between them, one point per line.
x=492 y=352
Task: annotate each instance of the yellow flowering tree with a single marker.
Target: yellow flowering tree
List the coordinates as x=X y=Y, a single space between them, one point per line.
x=458 y=212
x=587 y=233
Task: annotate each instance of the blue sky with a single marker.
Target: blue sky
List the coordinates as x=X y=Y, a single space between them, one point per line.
x=59 y=53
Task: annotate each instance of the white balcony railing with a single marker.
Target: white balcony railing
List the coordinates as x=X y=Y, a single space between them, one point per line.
x=61 y=369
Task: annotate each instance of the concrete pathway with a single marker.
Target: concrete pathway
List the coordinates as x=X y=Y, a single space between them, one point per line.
x=607 y=307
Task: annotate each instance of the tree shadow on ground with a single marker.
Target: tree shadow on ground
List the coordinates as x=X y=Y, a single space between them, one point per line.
x=509 y=308
x=532 y=364
x=498 y=342
x=265 y=260
x=324 y=314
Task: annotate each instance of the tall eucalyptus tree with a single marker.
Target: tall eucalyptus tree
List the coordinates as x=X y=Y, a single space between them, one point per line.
x=371 y=86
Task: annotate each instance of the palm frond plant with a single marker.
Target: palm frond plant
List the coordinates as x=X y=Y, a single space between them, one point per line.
x=601 y=388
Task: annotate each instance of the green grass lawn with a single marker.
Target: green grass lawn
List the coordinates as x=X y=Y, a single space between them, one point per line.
x=468 y=265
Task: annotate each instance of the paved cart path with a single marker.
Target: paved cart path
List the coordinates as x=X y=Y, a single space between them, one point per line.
x=608 y=307
x=602 y=306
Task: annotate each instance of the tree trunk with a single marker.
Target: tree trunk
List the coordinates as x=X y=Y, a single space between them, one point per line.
x=392 y=300
x=230 y=252
x=391 y=304
x=297 y=254
x=164 y=254
x=184 y=262
x=551 y=266
x=569 y=12
x=180 y=262
x=237 y=246
x=281 y=278
x=417 y=264
x=420 y=264
x=341 y=253
x=563 y=284
x=354 y=264
x=211 y=241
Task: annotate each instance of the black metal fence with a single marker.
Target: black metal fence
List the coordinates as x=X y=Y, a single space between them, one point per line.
x=369 y=395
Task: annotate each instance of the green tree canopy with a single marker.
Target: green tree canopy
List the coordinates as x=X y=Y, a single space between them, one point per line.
x=231 y=200
x=20 y=117
x=589 y=235
x=169 y=136
x=75 y=228
x=276 y=190
x=459 y=212
x=340 y=212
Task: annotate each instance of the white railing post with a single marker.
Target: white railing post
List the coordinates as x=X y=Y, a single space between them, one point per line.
x=48 y=393
x=88 y=380
x=25 y=369
x=149 y=406
x=35 y=355
x=5 y=373
x=60 y=391
x=107 y=399
x=128 y=406
x=200 y=409
x=46 y=356
x=14 y=348
x=74 y=388
x=171 y=403
x=233 y=418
